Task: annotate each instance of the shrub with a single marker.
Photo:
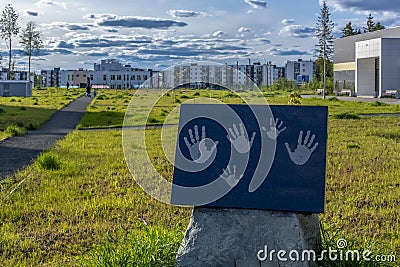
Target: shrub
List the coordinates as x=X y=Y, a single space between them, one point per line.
x=353 y=145
x=152 y=120
x=378 y=104
x=346 y=116
x=148 y=247
x=23 y=108
x=196 y=94
x=15 y=130
x=48 y=161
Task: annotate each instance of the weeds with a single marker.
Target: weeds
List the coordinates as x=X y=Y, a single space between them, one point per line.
x=48 y=161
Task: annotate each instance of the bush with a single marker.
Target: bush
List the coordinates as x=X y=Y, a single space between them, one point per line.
x=152 y=120
x=150 y=246
x=378 y=104
x=48 y=161
x=346 y=116
x=15 y=130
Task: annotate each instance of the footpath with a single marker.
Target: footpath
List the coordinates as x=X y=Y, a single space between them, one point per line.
x=20 y=151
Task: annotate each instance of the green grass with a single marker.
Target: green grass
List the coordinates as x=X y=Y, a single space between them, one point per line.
x=88 y=211
x=108 y=109
x=31 y=112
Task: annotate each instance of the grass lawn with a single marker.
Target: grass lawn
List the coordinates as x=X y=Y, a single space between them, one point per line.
x=109 y=107
x=79 y=206
x=30 y=112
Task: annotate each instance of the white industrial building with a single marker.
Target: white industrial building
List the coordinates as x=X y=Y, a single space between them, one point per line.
x=369 y=63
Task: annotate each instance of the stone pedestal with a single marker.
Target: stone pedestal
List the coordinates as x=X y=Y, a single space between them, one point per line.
x=240 y=238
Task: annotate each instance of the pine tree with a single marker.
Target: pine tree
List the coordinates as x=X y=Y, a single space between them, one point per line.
x=349 y=30
x=378 y=26
x=324 y=29
x=370 y=24
x=9 y=27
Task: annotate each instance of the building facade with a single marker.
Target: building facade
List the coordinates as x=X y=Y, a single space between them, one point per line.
x=369 y=63
x=300 y=69
x=112 y=74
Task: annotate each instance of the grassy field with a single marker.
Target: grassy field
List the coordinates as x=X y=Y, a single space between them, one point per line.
x=109 y=108
x=28 y=113
x=79 y=206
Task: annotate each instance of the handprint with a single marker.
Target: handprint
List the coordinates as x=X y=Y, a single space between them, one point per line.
x=274 y=128
x=303 y=151
x=239 y=139
x=197 y=148
x=230 y=177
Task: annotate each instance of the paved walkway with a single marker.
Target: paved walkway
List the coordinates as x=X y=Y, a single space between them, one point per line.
x=18 y=152
x=361 y=99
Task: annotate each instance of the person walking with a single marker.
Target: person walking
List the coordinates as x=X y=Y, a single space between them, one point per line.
x=67 y=86
x=88 y=91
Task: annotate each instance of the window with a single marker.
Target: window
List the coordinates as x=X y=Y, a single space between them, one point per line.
x=77 y=75
x=139 y=77
x=119 y=78
x=84 y=75
x=118 y=86
x=132 y=77
x=69 y=77
x=91 y=77
x=144 y=77
x=112 y=77
x=104 y=77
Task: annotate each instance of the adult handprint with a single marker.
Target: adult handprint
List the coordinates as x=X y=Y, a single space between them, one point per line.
x=303 y=151
x=197 y=147
x=239 y=140
x=274 y=128
x=230 y=177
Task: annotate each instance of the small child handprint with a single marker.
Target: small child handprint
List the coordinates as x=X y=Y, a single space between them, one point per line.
x=197 y=147
x=239 y=139
x=303 y=151
x=230 y=177
x=274 y=128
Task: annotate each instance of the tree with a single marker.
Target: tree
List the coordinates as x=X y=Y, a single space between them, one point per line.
x=9 y=28
x=371 y=26
x=378 y=26
x=31 y=43
x=349 y=30
x=324 y=29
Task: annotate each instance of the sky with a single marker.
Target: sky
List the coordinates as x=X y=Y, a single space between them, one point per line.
x=160 y=33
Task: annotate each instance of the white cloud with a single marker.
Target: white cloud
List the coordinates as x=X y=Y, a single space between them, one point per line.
x=288 y=21
x=49 y=3
x=244 y=29
x=111 y=20
x=298 y=31
x=256 y=3
x=180 y=13
x=219 y=34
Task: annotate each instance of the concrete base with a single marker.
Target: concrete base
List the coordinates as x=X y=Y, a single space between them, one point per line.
x=239 y=237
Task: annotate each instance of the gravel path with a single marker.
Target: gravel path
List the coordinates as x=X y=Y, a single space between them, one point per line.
x=18 y=152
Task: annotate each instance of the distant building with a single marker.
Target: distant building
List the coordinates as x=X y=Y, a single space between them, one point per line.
x=368 y=63
x=118 y=76
x=50 y=78
x=16 y=75
x=300 y=68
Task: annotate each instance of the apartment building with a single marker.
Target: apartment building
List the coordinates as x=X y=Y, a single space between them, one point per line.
x=300 y=70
